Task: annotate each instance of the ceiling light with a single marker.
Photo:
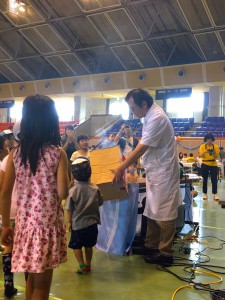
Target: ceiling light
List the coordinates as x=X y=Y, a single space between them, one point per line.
x=16 y=7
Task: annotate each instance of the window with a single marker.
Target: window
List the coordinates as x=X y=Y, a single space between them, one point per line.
x=119 y=107
x=185 y=107
x=16 y=111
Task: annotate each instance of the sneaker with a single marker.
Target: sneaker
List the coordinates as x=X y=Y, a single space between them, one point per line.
x=215 y=197
x=205 y=196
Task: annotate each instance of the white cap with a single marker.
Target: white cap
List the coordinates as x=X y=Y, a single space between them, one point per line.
x=79 y=160
x=4 y=132
x=16 y=130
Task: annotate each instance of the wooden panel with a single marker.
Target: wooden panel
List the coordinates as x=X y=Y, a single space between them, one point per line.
x=77 y=84
x=5 y=92
x=215 y=72
x=192 y=74
x=23 y=89
x=151 y=78
x=104 y=82
x=49 y=87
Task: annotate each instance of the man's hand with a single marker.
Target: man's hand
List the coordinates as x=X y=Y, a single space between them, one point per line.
x=118 y=175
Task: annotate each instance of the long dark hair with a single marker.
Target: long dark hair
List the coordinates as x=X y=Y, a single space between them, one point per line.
x=39 y=127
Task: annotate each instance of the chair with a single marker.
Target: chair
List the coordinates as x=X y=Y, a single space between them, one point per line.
x=200 y=134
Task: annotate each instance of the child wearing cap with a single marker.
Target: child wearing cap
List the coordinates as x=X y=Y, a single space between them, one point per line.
x=10 y=137
x=83 y=214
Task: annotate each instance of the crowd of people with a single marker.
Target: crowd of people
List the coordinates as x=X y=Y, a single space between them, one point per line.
x=37 y=172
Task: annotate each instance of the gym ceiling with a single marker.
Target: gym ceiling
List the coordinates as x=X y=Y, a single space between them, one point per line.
x=67 y=38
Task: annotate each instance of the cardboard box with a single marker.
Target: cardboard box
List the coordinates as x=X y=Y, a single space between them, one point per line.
x=103 y=161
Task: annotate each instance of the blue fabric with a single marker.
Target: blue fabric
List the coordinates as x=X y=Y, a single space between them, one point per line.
x=118 y=223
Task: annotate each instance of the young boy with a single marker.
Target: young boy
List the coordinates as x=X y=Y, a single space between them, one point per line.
x=82 y=141
x=132 y=174
x=83 y=214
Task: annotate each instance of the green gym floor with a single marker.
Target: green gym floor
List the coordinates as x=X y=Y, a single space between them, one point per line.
x=130 y=278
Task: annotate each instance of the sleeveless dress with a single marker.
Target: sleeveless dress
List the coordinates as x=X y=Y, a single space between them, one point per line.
x=40 y=234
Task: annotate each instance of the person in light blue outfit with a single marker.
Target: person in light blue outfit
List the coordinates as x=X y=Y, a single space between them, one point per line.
x=107 y=143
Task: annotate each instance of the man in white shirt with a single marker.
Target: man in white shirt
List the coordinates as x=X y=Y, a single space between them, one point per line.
x=159 y=151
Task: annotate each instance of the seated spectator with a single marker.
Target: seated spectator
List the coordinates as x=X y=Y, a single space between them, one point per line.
x=191 y=158
x=82 y=141
x=184 y=157
x=221 y=153
x=127 y=143
x=180 y=156
x=132 y=174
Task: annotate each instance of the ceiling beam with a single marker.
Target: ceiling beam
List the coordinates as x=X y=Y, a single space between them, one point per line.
x=86 y=14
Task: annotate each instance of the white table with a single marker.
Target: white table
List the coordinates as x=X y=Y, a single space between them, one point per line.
x=187 y=165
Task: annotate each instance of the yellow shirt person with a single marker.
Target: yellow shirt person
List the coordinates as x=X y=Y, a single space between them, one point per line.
x=191 y=158
x=208 y=154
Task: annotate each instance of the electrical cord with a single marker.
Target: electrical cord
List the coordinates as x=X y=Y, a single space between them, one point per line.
x=199 y=266
x=219 y=280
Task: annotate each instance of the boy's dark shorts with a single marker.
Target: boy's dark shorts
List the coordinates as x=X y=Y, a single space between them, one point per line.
x=85 y=237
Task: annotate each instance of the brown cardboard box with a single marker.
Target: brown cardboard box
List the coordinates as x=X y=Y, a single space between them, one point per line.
x=102 y=162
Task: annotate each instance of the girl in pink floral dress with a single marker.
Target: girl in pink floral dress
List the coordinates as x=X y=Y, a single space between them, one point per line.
x=39 y=167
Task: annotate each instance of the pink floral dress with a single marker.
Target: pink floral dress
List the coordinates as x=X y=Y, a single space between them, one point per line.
x=40 y=234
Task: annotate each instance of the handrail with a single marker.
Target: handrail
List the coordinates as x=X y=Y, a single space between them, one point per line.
x=108 y=126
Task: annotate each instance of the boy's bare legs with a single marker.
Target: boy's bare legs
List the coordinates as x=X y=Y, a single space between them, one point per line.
x=88 y=256
x=79 y=256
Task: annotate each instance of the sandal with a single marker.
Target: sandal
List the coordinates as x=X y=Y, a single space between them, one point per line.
x=81 y=269
x=87 y=268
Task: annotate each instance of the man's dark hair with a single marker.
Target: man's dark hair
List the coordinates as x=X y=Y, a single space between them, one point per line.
x=139 y=96
x=191 y=154
x=208 y=136
x=82 y=137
